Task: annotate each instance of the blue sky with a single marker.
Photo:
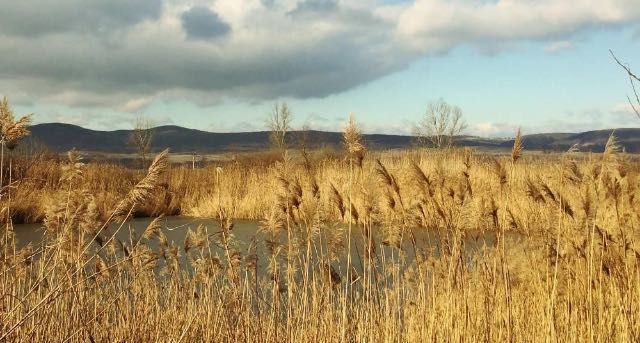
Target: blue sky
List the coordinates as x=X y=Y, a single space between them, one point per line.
x=221 y=65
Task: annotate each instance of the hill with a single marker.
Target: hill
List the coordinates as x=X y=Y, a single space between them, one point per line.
x=63 y=137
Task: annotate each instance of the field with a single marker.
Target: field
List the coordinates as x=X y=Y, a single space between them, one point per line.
x=564 y=264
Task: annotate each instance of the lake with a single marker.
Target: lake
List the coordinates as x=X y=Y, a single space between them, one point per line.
x=246 y=231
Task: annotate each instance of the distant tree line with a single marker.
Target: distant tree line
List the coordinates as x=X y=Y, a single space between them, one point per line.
x=438 y=128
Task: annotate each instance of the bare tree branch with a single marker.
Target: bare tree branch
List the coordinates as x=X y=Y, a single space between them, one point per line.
x=632 y=79
x=625 y=67
x=633 y=106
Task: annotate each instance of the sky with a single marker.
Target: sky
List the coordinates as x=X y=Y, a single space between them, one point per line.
x=221 y=65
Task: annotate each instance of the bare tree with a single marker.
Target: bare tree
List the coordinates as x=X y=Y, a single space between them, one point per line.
x=440 y=125
x=141 y=138
x=633 y=78
x=279 y=123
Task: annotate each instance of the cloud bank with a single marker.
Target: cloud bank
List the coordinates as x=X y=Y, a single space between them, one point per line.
x=120 y=54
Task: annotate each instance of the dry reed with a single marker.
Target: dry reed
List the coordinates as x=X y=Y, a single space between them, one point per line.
x=410 y=246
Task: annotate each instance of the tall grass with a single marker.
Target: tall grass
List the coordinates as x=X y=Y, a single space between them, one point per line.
x=526 y=248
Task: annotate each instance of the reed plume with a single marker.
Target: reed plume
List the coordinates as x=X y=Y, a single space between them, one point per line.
x=534 y=192
x=609 y=159
x=143 y=189
x=153 y=229
x=352 y=139
x=500 y=171
x=386 y=177
x=516 y=150
x=12 y=130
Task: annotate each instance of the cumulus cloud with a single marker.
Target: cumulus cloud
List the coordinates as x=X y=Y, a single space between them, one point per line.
x=271 y=54
x=119 y=54
x=441 y=24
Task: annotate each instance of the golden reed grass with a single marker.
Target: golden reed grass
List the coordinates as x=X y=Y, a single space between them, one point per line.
x=542 y=249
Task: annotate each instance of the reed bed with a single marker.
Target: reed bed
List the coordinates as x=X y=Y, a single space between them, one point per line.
x=563 y=265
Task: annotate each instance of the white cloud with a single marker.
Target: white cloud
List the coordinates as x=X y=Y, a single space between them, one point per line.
x=624 y=109
x=396 y=128
x=625 y=115
x=241 y=126
x=558 y=46
x=441 y=24
x=491 y=129
x=617 y=116
x=137 y=104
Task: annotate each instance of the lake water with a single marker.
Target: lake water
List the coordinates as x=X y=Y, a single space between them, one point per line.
x=175 y=228
x=246 y=231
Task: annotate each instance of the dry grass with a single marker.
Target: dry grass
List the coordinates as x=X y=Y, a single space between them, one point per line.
x=563 y=264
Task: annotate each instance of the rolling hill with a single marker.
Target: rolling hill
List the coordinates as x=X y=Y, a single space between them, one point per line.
x=63 y=137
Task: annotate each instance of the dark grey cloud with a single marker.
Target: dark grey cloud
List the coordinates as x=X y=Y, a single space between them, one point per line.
x=34 y=18
x=274 y=58
x=202 y=23
x=316 y=69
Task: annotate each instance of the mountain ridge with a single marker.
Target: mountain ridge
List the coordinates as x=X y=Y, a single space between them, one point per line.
x=61 y=137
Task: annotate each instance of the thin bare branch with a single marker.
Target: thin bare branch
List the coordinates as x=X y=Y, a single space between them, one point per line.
x=632 y=79
x=635 y=93
x=625 y=67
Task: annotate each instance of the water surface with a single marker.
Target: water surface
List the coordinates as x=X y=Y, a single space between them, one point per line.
x=246 y=233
